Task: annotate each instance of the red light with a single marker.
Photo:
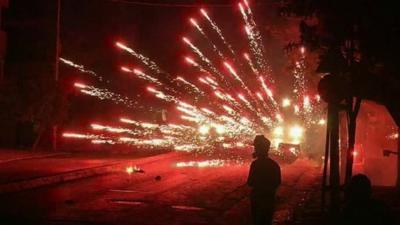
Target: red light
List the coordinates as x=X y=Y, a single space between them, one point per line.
x=240 y=6
x=193 y=21
x=125 y=69
x=246 y=3
x=204 y=12
x=186 y=40
x=151 y=89
x=79 y=85
x=120 y=45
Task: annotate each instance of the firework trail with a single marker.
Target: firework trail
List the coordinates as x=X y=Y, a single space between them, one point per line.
x=234 y=120
x=81 y=68
x=298 y=73
x=237 y=77
x=192 y=86
x=197 y=26
x=251 y=64
x=206 y=163
x=141 y=75
x=269 y=93
x=146 y=61
x=104 y=94
x=162 y=95
x=202 y=56
x=218 y=30
x=254 y=45
x=80 y=135
x=191 y=61
x=234 y=74
x=111 y=129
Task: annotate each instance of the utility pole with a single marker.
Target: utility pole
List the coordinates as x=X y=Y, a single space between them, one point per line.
x=331 y=89
x=56 y=73
x=325 y=168
x=334 y=177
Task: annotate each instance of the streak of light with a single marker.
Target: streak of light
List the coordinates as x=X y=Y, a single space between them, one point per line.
x=205 y=163
x=145 y=60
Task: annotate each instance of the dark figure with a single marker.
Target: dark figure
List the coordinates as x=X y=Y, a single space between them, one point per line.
x=360 y=208
x=264 y=178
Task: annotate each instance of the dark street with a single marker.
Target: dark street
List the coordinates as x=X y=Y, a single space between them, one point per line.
x=185 y=195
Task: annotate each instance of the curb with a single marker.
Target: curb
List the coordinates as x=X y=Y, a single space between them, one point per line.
x=73 y=175
x=58 y=178
x=32 y=157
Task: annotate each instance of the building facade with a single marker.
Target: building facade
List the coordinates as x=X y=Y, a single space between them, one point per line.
x=3 y=39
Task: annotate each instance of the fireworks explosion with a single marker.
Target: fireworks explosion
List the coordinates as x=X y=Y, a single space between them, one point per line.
x=219 y=105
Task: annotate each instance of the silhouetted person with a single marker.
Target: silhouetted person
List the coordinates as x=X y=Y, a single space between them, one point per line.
x=360 y=208
x=264 y=179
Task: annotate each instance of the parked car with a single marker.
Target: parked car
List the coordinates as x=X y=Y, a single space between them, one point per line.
x=287 y=152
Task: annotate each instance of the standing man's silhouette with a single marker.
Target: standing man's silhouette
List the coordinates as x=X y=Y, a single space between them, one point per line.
x=264 y=178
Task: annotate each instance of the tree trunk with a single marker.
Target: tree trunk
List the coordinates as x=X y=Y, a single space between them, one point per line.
x=325 y=169
x=334 y=177
x=352 y=125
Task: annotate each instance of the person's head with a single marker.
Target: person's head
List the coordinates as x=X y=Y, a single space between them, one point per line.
x=261 y=146
x=359 y=188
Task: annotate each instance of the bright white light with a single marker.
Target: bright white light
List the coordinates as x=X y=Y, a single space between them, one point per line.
x=239 y=144
x=129 y=170
x=227 y=145
x=279 y=118
x=278 y=131
x=296 y=132
x=80 y=85
x=219 y=128
x=306 y=101
x=204 y=129
x=296 y=109
x=302 y=50
x=286 y=102
x=318 y=98
x=322 y=122
x=244 y=120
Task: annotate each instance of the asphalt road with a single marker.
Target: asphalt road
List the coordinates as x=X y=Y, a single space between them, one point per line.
x=163 y=194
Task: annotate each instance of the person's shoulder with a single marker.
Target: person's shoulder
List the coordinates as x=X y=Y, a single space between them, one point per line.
x=273 y=162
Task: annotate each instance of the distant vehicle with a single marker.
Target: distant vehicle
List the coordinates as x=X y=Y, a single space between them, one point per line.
x=287 y=152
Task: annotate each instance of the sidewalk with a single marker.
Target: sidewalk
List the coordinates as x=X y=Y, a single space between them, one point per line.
x=7 y=155
x=21 y=170
x=310 y=212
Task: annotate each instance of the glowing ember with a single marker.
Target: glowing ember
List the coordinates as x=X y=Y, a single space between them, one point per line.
x=206 y=163
x=133 y=169
x=286 y=102
x=129 y=170
x=322 y=122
